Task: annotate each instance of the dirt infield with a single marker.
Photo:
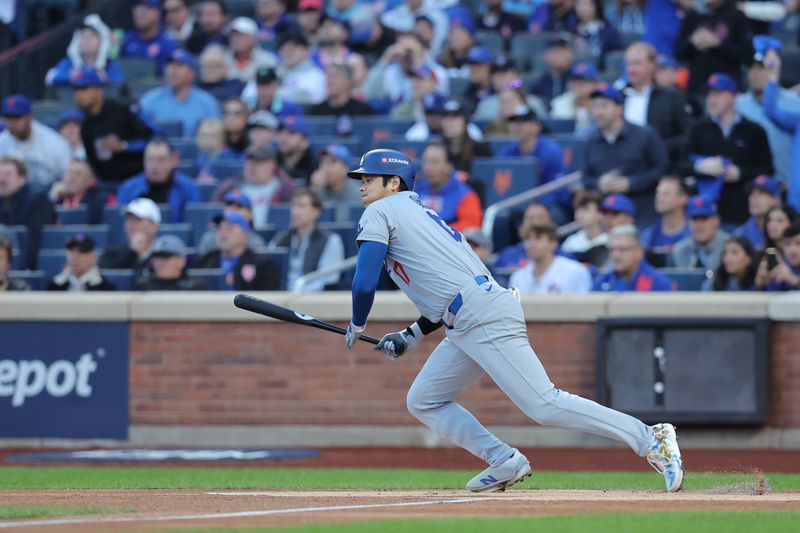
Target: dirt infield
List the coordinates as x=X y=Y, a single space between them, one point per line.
x=171 y=509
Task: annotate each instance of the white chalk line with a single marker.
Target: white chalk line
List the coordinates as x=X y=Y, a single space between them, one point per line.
x=215 y=516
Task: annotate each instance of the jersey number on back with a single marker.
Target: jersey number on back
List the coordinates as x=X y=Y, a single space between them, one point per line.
x=452 y=232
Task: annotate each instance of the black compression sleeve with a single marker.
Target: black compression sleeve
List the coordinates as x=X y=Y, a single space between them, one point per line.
x=426 y=326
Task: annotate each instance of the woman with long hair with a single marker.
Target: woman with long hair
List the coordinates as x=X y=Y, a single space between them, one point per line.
x=595 y=36
x=462 y=143
x=776 y=220
x=511 y=97
x=737 y=269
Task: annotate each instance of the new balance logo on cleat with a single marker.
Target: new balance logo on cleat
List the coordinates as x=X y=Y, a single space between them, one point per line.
x=488 y=480
x=499 y=478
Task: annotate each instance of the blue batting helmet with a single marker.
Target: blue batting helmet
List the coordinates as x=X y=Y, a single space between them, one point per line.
x=383 y=162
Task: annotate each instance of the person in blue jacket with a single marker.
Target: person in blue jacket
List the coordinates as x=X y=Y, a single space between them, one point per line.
x=630 y=270
x=160 y=181
x=89 y=47
x=148 y=40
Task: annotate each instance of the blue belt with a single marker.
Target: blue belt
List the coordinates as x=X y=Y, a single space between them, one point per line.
x=458 y=301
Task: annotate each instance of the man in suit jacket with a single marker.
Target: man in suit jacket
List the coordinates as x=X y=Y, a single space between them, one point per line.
x=244 y=269
x=647 y=104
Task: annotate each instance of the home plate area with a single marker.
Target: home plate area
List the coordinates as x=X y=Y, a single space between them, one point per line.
x=174 y=509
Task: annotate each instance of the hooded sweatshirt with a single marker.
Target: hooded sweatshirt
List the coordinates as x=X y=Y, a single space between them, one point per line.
x=61 y=73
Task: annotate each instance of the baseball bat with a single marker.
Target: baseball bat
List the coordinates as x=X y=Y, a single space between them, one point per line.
x=257 y=305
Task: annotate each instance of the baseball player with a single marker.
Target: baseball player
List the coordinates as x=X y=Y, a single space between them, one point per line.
x=485 y=332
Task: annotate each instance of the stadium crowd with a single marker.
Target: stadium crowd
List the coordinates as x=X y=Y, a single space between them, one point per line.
x=207 y=147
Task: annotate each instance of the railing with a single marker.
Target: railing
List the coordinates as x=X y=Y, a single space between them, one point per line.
x=304 y=280
x=23 y=67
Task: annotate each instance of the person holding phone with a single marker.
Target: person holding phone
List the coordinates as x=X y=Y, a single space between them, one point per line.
x=781 y=272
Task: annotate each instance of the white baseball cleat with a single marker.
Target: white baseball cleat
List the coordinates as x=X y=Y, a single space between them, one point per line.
x=665 y=456
x=499 y=478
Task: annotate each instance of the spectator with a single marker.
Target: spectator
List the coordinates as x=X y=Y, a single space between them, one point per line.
x=340 y=102
x=179 y=100
x=244 y=270
x=309 y=17
x=78 y=187
x=509 y=99
x=310 y=248
x=179 y=21
x=479 y=64
x=617 y=210
x=648 y=104
x=142 y=219
x=589 y=244
x=514 y=256
x=8 y=283
x=627 y=16
x=302 y=82
x=662 y=23
x=621 y=157
x=69 y=127
x=262 y=129
x=671 y=226
x=750 y=105
x=574 y=104
x=263 y=183
x=457 y=136
x=431 y=125
x=714 y=37
x=547 y=273
x=272 y=19
x=168 y=261
x=80 y=274
x=210 y=28
x=737 y=268
x=332 y=39
x=787 y=120
x=558 y=57
x=375 y=38
x=113 y=134
x=595 y=36
x=294 y=149
x=245 y=56
x=526 y=130
x=263 y=95
x=235 y=115
x=403 y=18
x=460 y=39
x=89 y=47
x=43 y=151
x=703 y=248
x=480 y=244
x=214 y=75
x=160 y=181
x=146 y=40
x=495 y=18
x=666 y=75
x=777 y=219
x=344 y=9
x=495 y=105
x=235 y=202
x=423 y=87
x=764 y=194
x=785 y=276
x=440 y=189
x=331 y=184
x=23 y=205
x=726 y=152
x=553 y=16
x=630 y=270
x=210 y=141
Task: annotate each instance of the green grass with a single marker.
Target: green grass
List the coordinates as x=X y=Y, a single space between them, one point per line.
x=20 y=477
x=699 y=522
x=39 y=511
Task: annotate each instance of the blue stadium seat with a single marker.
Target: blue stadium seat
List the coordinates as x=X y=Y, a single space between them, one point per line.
x=20 y=235
x=573 y=150
x=186 y=148
x=615 y=63
x=56 y=237
x=497 y=143
x=199 y=216
x=281 y=215
x=345 y=230
x=35 y=278
x=505 y=177
x=267 y=233
x=170 y=128
x=492 y=40
x=280 y=256
x=354 y=144
x=558 y=125
x=137 y=87
x=227 y=168
x=206 y=190
x=51 y=262
x=122 y=278
x=502 y=232
x=457 y=87
x=134 y=68
x=72 y=215
x=686 y=279
x=526 y=46
x=371 y=130
x=48 y=111
x=321 y=125
x=213 y=277
x=182 y=230
x=189 y=168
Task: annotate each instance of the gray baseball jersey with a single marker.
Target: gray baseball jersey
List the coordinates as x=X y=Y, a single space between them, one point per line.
x=430 y=261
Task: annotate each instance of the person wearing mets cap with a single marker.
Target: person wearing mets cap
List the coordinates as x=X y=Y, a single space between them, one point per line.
x=765 y=193
x=434 y=265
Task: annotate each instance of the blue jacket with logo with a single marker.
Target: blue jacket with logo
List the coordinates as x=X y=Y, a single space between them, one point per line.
x=646 y=279
x=182 y=192
x=159 y=48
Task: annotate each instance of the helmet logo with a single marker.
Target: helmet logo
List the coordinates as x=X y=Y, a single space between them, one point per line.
x=394 y=160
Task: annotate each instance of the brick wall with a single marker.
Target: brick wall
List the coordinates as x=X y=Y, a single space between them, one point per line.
x=785 y=375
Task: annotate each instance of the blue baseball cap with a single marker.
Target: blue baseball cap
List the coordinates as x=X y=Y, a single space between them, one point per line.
x=480 y=55
x=87 y=77
x=16 y=105
x=296 y=124
x=664 y=60
x=155 y=4
x=434 y=102
x=763 y=44
x=768 y=184
x=339 y=152
x=700 y=206
x=586 y=71
x=463 y=20
x=720 y=81
x=238 y=198
x=179 y=55
x=604 y=90
x=70 y=115
x=618 y=203
x=238 y=219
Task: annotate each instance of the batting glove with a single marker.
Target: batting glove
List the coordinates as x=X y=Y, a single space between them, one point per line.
x=396 y=344
x=353 y=333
